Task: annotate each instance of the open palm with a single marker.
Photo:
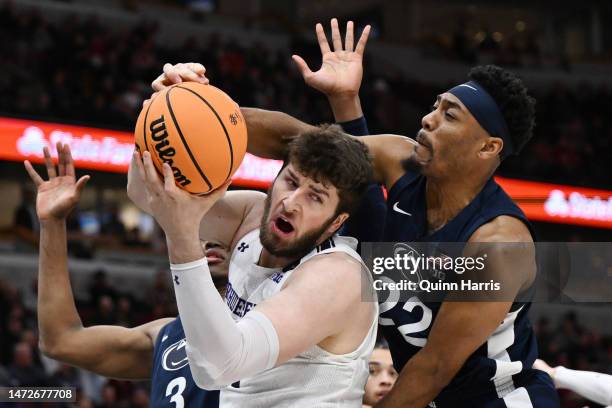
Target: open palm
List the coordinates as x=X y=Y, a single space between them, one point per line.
x=57 y=196
x=341 y=69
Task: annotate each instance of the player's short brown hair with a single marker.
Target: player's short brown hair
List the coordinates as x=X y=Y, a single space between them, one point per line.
x=329 y=156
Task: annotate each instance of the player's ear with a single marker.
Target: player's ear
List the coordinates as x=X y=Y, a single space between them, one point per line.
x=491 y=147
x=340 y=219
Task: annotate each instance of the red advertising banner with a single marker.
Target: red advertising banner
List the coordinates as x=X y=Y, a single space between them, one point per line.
x=559 y=203
x=108 y=150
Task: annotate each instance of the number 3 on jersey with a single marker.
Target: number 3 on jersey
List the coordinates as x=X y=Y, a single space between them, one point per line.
x=407 y=329
x=179 y=384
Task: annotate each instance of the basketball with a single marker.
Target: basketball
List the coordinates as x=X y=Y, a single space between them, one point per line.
x=198 y=130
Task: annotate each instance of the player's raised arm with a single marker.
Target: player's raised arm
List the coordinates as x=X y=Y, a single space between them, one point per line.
x=341 y=71
x=111 y=351
x=270 y=131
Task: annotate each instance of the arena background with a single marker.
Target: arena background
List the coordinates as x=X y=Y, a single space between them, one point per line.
x=79 y=70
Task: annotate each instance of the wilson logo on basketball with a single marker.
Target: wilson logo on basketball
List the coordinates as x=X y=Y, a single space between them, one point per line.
x=165 y=152
x=188 y=126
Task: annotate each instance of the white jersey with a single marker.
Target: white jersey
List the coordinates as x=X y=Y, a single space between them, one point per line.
x=315 y=377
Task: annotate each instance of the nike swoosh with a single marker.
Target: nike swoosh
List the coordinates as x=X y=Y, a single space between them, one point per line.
x=173 y=364
x=399 y=210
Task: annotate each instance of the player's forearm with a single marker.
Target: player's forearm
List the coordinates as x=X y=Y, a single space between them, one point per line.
x=594 y=386
x=57 y=313
x=220 y=351
x=270 y=131
x=345 y=107
x=420 y=381
x=388 y=152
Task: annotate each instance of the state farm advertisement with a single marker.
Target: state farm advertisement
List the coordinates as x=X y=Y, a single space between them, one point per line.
x=92 y=148
x=109 y=150
x=102 y=149
x=559 y=203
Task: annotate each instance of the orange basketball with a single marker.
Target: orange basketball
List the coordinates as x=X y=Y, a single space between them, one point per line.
x=198 y=130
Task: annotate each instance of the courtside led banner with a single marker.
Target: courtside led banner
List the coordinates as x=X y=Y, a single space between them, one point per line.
x=561 y=204
x=109 y=150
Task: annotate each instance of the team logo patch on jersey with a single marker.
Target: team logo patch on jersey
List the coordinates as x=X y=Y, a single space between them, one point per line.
x=175 y=356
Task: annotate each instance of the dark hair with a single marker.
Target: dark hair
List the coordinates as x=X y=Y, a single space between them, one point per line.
x=329 y=156
x=510 y=94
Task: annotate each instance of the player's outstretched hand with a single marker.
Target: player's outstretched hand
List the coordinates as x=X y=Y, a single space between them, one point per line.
x=57 y=196
x=178 y=212
x=341 y=69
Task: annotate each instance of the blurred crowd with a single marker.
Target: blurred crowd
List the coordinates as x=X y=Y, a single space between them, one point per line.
x=82 y=69
x=570 y=344
x=22 y=364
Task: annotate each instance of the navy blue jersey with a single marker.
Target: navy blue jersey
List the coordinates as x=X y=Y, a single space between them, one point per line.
x=500 y=367
x=171 y=382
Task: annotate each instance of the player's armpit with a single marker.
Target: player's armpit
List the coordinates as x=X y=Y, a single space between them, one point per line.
x=315 y=305
x=111 y=351
x=388 y=152
x=270 y=131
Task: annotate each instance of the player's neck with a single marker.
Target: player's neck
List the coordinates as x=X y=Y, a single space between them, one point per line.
x=267 y=260
x=447 y=197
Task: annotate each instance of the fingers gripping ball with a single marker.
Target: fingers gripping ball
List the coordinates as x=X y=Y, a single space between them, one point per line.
x=198 y=130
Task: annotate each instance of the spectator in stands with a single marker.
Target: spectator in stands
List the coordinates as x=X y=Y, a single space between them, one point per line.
x=25 y=222
x=23 y=371
x=109 y=396
x=111 y=224
x=100 y=287
x=105 y=311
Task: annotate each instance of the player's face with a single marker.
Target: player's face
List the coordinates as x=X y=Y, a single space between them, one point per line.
x=299 y=214
x=217 y=257
x=449 y=140
x=382 y=376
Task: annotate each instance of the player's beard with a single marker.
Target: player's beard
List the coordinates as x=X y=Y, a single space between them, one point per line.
x=414 y=163
x=296 y=249
x=411 y=164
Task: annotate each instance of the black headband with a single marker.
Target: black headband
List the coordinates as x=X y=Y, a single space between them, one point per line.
x=484 y=108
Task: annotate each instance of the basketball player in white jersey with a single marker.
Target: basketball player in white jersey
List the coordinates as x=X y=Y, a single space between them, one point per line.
x=299 y=327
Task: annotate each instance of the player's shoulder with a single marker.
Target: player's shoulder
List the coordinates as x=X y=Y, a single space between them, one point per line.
x=504 y=228
x=337 y=270
x=151 y=329
x=249 y=208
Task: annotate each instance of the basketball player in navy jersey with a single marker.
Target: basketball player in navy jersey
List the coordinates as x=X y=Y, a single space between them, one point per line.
x=155 y=350
x=452 y=354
